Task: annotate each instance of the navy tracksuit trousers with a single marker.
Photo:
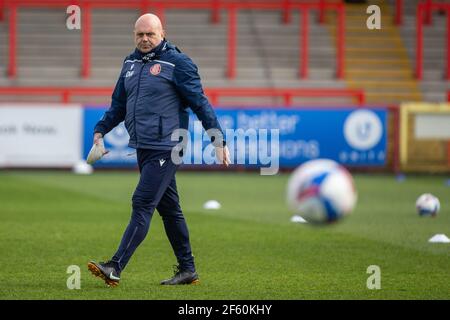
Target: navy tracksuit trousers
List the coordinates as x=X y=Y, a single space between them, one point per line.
x=156 y=189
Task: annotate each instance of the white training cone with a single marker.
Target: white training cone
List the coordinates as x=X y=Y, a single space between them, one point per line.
x=439 y=238
x=298 y=219
x=211 y=205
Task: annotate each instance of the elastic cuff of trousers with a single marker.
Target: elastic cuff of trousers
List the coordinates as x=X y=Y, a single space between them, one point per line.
x=187 y=265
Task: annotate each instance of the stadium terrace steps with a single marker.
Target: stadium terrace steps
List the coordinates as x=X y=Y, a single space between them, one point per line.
x=268 y=50
x=376 y=60
x=380 y=75
x=49 y=54
x=392 y=97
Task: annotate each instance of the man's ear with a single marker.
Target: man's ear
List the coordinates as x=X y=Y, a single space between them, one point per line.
x=163 y=33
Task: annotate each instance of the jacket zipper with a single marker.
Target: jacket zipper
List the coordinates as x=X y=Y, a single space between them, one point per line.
x=160 y=128
x=135 y=102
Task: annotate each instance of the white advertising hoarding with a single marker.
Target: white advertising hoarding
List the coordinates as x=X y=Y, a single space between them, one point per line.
x=432 y=126
x=40 y=135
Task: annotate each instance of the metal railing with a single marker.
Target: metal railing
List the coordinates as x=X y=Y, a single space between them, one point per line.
x=399 y=6
x=428 y=8
x=214 y=94
x=159 y=7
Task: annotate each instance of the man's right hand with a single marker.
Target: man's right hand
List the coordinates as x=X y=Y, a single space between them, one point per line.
x=97 y=137
x=97 y=150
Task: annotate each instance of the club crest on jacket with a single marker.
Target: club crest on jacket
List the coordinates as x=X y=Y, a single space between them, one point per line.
x=155 y=69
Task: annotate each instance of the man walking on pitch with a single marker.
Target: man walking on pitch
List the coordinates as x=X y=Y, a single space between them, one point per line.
x=155 y=87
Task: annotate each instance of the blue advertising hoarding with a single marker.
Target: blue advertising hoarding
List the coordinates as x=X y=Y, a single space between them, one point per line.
x=353 y=137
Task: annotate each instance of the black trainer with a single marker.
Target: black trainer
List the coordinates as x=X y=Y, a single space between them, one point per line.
x=182 y=277
x=106 y=271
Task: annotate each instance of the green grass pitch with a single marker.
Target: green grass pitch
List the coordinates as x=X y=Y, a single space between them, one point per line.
x=249 y=249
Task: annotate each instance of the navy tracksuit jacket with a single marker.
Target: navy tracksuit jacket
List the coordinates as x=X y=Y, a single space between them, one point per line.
x=152 y=95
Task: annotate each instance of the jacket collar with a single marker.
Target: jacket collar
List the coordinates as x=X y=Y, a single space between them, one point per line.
x=154 y=53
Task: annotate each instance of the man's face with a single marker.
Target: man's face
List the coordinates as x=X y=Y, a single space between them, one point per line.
x=147 y=37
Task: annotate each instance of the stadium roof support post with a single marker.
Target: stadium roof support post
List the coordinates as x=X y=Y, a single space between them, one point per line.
x=86 y=41
x=65 y=96
x=287 y=17
x=341 y=42
x=428 y=15
x=419 y=42
x=232 y=30
x=361 y=98
x=2 y=8
x=304 y=44
x=287 y=99
x=321 y=11
x=160 y=12
x=448 y=43
x=215 y=12
x=144 y=6
x=448 y=92
x=12 y=66
x=159 y=9
x=398 y=12
x=396 y=141
x=213 y=98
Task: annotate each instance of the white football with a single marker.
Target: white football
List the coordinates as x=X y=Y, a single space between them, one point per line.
x=427 y=204
x=321 y=191
x=81 y=167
